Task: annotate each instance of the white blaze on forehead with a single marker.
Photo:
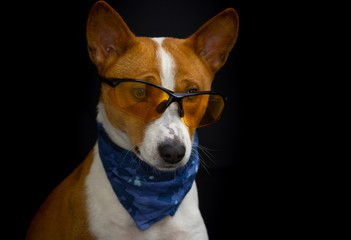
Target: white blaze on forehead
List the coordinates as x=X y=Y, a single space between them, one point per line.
x=167 y=69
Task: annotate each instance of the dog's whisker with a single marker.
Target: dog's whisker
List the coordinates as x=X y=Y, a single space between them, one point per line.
x=207 y=152
x=126 y=157
x=205 y=165
x=207 y=155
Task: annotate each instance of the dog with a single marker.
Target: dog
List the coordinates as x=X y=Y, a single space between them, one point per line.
x=138 y=180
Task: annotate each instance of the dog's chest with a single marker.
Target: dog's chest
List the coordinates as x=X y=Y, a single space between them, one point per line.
x=109 y=220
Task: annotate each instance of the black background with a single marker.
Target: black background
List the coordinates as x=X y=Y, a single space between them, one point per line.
x=244 y=188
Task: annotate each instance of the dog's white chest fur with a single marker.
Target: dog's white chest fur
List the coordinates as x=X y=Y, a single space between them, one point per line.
x=109 y=220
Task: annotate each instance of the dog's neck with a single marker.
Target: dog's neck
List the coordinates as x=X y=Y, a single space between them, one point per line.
x=147 y=193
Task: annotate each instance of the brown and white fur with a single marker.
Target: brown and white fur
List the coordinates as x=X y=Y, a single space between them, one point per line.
x=84 y=205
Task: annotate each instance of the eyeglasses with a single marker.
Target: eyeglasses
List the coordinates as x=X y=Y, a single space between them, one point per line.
x=148 y=101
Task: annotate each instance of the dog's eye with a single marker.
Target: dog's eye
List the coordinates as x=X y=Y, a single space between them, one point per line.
x=192 y=98
x=138 y=93
x=192 y=90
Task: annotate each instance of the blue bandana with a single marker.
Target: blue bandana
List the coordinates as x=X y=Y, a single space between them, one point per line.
x=146 y=193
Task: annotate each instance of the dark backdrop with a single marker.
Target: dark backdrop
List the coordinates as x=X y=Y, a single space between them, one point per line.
x=54 y=92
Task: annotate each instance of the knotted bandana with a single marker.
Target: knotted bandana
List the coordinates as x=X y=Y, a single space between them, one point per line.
x=147 y=193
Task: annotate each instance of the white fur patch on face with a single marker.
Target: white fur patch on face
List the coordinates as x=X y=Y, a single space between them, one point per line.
x=169 y=125
x=167 y=71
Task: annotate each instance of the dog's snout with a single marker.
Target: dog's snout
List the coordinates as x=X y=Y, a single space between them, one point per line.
x=172 y=151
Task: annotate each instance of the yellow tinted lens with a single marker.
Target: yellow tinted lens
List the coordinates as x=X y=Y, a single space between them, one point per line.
x=201 y=110
x=139 y=99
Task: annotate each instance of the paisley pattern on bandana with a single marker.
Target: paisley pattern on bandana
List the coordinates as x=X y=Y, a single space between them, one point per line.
x=146 y=193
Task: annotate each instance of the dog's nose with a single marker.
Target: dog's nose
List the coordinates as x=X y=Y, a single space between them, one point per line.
x=172 y=151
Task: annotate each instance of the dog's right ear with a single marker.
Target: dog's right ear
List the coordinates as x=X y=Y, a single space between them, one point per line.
x=108 y=35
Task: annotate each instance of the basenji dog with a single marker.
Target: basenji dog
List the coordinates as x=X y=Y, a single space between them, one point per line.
x=138 y=180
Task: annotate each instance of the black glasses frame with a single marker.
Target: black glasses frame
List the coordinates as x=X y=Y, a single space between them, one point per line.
x=173 y=96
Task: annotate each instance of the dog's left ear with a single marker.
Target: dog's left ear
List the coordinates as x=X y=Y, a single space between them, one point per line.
x=214 y=40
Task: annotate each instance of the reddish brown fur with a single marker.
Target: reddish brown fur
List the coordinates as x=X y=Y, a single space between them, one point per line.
x=63 y=214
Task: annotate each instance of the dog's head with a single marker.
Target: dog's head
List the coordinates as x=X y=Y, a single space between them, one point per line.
x=162 y=139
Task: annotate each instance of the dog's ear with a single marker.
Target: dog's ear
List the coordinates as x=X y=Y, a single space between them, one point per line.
x=107 y=34
x=214 y=40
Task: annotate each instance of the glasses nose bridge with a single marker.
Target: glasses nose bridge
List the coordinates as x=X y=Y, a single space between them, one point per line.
x=178 y=99
x=180 y=107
